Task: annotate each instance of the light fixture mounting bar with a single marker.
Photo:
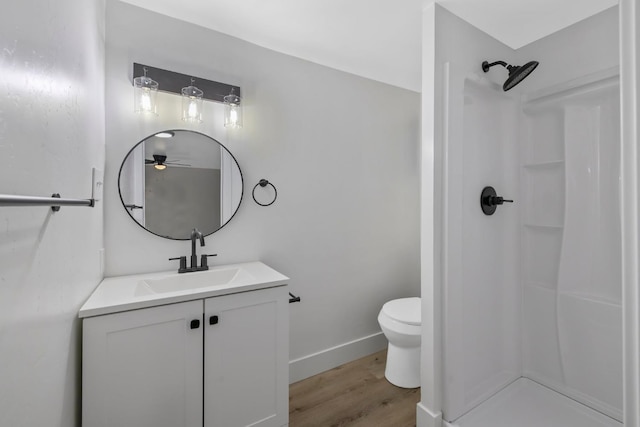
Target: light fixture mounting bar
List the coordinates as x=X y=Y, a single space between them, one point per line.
x=172 y=82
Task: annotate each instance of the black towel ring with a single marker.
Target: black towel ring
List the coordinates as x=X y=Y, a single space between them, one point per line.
x=264 y=183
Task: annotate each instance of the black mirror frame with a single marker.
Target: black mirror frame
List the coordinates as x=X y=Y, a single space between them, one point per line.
x=180 y=130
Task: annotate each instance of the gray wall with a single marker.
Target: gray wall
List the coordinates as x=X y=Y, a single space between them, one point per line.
x=51 y=134
x=342 y=150
x=177 y=199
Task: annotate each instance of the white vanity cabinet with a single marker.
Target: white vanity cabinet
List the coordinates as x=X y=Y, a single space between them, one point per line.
x=216 y=362
x=246 y=366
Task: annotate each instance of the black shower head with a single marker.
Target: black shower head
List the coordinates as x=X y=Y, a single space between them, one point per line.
x=516 y=73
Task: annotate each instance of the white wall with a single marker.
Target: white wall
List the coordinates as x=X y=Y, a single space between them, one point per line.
x=51 y=135
x=584 y=48
x=341 y=150
x=629 y=29
x=429 y=409
x=629 y=83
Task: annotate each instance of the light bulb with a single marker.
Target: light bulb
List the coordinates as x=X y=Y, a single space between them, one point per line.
x=145 y=100
x=233 y=116
x=145 y=91
x=192 y=104
x=232 y=111
x=193 y=109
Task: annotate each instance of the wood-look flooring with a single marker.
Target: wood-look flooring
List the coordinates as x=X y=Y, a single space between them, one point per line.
x=355 y=395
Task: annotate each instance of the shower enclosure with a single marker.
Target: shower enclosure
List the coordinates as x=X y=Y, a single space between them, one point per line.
x=531 y=296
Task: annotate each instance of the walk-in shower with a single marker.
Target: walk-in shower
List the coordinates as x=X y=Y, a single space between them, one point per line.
x=540 y=340
x=532 y=294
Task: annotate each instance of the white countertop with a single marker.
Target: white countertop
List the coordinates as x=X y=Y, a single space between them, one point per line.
x=122 y=293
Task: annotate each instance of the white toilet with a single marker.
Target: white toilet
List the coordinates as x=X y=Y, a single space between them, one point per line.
x=400 y=320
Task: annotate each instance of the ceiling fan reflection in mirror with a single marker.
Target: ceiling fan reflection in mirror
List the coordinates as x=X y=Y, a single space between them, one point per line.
x=160 y=162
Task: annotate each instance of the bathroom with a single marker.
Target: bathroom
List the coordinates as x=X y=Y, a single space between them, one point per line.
x=58 y=123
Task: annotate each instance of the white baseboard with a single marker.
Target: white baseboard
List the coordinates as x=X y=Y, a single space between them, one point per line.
x=330 y=358
x=426 y=418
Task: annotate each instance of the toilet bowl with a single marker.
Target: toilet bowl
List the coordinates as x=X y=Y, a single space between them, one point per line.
x=400 y=320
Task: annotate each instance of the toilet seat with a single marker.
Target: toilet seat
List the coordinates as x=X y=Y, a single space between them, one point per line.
x=404 y=310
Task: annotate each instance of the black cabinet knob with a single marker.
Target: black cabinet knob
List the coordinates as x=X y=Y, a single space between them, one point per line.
x=213 y=320
x=195 y=324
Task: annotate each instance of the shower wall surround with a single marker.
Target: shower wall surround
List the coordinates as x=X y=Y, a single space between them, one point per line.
x=345 y=226
x=534 y=290
x=571 y=244
x=481 y=317
x=51 y=135
x=571 y=231
x=479 y=272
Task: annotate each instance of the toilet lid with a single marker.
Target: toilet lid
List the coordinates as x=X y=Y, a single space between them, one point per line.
x=404 y=310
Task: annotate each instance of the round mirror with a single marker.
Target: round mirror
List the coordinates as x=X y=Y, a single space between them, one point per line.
x=174 y=181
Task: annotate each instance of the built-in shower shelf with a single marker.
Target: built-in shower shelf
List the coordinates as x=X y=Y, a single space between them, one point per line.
x=544 y=226
x=544 y=165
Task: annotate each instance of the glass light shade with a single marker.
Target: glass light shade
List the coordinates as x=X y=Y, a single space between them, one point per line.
x=160 y=166
x=144 y=95
x=192 y=104
x=232 y=111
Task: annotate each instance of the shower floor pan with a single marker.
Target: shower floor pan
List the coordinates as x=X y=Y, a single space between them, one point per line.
x=525 y=403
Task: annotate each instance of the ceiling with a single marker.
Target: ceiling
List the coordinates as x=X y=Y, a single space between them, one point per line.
x=377 y=39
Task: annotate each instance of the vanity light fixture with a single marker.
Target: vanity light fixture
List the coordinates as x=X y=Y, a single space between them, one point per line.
x=232 y=110
x=192 y=103
x=145 y=92
x=192 y=96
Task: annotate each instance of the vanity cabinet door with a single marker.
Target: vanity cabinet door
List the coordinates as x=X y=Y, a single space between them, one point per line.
x=246 y=359
x=143 y=368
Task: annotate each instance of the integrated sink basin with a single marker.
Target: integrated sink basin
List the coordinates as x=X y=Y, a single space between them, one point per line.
x=192 y=281
x=123 y=293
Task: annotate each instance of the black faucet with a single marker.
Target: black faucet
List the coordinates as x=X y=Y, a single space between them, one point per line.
x=195 y=234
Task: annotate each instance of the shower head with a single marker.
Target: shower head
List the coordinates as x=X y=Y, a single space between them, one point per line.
x=516 y=73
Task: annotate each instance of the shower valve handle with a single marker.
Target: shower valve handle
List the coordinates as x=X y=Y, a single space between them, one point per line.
x=497 y=200
x=489 y=200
